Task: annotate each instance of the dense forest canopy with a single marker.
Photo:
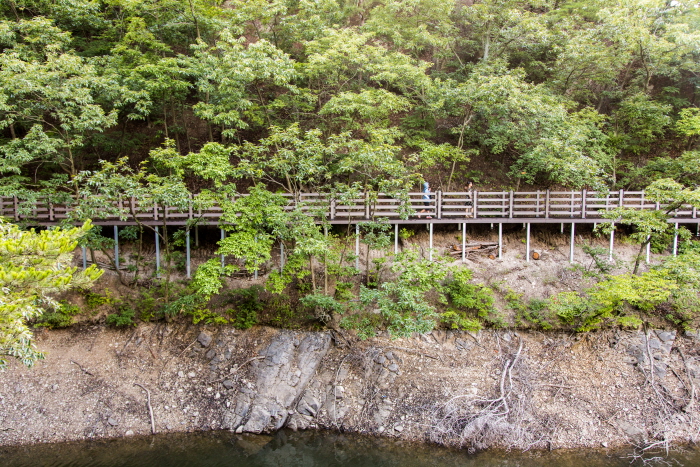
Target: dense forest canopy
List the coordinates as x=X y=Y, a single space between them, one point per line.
x=336 y=94
x=160 y=100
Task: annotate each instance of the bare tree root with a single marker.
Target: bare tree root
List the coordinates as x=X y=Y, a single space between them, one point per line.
x=479 y=423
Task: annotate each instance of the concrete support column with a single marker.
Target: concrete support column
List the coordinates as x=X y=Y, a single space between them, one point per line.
x=500 y=240
x=527 y=244
x=116 y=246
x=223 y=258
x=430 y=252
x=255 y=273
x=571 y=246
x=188 y=268
x=357 y=246
x=612 y=243
x=84 y=258
x=396 y=239
x=675 y=241
x=464 y=242
x=157 y=253
x=648 y=249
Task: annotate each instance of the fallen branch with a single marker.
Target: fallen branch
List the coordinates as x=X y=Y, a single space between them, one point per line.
x=150 y=409
x=81 y=367
x=414 y=352
x=688 y=406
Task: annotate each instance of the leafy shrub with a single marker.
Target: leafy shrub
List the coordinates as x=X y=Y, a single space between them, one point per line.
x=365 y=324
x=343 y=291
x=61 y=317
x=95 y=300
x=248 y=305
x=456 y=319
x=324 y=306
x=463 y=294
x=123 y=317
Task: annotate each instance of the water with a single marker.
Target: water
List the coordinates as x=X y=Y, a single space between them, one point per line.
x=289 y=449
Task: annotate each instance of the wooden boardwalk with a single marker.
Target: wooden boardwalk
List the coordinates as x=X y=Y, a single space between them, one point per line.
x=443 y=207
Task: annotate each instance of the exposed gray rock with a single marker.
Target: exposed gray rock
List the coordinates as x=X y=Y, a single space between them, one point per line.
x=633 y=432
x=393 y=367
x=291 y=359
x=228 y=384
x=204 y=339
x=666 y=336
x=211 y=354
x=112 y=421
x=308 y=405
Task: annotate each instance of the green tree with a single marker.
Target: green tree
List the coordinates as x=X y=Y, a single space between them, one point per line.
x=48 y=98
x=34 y=267
x=649 y=225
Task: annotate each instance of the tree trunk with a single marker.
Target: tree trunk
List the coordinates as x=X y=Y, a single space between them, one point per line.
x=313 y=273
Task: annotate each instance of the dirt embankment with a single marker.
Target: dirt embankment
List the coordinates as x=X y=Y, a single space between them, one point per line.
x=524 y=390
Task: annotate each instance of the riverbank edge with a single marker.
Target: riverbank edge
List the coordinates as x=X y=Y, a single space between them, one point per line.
x=585 y=391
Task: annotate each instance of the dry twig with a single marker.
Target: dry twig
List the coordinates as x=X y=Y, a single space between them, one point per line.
x=150 y=409
x=81 y=367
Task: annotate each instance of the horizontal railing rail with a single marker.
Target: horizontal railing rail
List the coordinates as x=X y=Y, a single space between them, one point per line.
x=485 y=205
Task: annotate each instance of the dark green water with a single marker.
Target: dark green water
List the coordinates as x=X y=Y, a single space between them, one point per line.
x=303 y=449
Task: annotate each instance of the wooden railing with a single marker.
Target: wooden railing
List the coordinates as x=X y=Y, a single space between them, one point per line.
x=536 y=206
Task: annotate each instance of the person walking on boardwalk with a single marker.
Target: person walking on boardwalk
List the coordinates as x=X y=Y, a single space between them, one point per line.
x=426 y=200
x=469 y=203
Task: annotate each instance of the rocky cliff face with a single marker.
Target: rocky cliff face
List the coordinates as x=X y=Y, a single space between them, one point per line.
x=495 y=388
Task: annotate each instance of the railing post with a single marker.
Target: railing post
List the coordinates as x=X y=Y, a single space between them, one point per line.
x=438 y=202
x=475 y=204
x=537 y=209
x=332 y=209
x=583 y=203
x=189 y=213
x=155 y=211
x=571 y=207
x=51 y=211
x=546 y=205
x=16 y=207
x=366 y=205
x=622 y=198
x=510 y=209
